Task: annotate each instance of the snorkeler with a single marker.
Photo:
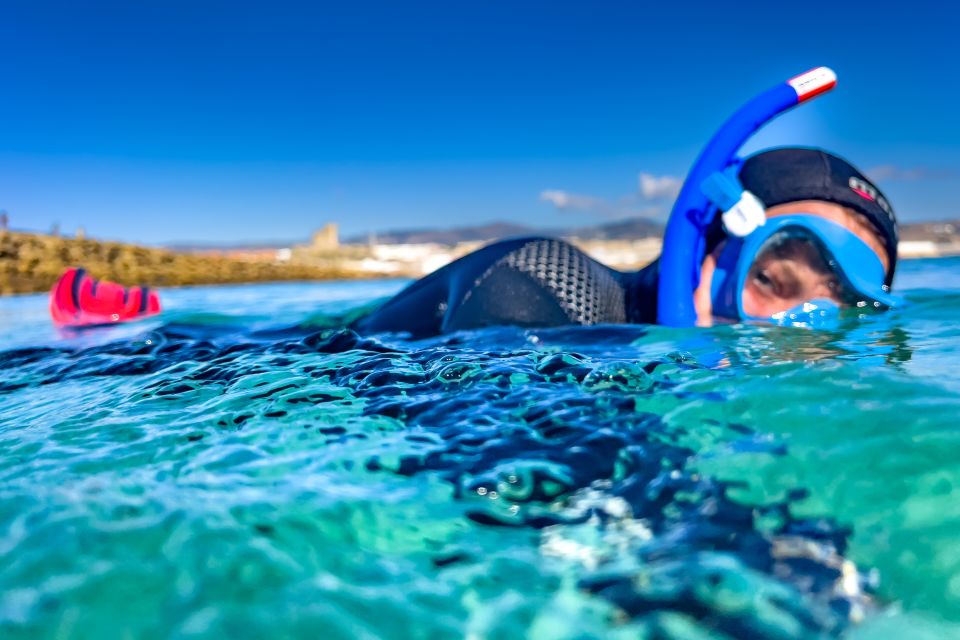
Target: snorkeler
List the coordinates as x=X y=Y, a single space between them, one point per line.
x=777 y=237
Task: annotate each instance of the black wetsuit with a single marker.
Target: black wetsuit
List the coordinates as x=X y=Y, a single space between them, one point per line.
x=528 y=282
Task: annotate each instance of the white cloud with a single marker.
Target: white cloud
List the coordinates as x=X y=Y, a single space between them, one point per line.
x=566 y=200
x=659 y=187
x=648 y=202
x=627 y=206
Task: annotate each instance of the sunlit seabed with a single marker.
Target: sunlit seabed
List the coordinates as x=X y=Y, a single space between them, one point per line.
x=242 y=467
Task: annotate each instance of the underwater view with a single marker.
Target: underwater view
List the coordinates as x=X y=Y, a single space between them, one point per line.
x=244 y=466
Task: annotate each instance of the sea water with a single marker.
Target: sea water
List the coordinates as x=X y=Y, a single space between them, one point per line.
x=243 y=466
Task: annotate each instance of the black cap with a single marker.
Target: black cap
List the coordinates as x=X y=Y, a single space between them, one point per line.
x=792 y=173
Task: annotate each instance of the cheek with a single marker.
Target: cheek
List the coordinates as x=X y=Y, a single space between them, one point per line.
x=701 y=296
x=758 y=305
x=753 y=305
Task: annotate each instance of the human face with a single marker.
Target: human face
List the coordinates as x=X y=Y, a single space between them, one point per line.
x=790 y=270
x=786 y=273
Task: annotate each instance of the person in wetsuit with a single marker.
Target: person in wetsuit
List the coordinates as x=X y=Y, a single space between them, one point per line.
x=547 y=282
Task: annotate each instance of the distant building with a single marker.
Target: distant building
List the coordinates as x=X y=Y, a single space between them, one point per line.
x=326 y=238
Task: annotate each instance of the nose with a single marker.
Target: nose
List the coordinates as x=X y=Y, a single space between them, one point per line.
x=824 y=290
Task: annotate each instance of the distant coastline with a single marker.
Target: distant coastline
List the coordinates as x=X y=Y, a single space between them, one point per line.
x=31 y=262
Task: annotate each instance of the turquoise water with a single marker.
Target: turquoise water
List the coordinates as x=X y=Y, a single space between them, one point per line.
x=243 y=467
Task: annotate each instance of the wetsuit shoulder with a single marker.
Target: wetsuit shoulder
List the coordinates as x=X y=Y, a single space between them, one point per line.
x=641 y=290
x=420 y=308
x=532 y=281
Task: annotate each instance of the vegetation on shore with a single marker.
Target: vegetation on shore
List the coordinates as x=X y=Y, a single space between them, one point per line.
x=32 y=263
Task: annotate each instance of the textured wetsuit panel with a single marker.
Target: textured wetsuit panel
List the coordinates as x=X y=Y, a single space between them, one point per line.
x=534 y=282
x=505 y=296
x=589 y=292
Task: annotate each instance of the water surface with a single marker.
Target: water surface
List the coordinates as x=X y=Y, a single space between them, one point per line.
x=244 y=467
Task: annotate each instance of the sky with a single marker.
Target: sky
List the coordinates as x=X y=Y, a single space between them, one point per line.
x=228 y=121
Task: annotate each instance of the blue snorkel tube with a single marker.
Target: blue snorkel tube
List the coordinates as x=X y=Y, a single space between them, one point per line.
x=684 y=242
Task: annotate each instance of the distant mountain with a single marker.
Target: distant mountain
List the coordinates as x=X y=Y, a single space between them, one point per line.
x=444 y=236
x=935 y=231
x=628 y=229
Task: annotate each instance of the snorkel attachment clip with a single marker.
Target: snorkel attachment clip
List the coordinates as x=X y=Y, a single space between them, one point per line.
x=742 y=211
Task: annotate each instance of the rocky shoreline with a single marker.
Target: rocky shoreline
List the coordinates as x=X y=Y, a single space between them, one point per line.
x=31 y=263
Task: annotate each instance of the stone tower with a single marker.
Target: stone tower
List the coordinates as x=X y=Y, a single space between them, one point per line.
x=326 y=238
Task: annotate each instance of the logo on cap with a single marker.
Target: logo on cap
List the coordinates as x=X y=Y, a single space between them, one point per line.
x=866 y=190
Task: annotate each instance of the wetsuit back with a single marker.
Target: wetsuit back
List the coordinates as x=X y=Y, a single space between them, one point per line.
x=529 y=282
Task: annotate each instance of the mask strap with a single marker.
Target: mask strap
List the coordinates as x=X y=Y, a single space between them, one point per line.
x=723 y=289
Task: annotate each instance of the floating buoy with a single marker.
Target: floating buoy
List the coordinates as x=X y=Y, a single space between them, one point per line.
x=79 y=300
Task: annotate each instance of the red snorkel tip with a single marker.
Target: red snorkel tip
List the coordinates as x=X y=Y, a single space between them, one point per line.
x=813 y=83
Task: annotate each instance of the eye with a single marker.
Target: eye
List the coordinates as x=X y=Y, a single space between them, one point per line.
x=763 y=279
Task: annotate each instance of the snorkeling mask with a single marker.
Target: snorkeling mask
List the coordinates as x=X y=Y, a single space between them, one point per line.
x=851 y=272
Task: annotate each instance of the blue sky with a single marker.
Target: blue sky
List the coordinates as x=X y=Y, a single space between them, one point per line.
x=215 y=121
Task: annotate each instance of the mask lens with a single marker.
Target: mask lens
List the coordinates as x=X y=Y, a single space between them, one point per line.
x=791 y=267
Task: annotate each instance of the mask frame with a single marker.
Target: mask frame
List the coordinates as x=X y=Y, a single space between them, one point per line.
x=857 y=265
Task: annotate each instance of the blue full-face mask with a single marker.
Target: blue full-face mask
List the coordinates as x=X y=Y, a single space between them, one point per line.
x=857 y=269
